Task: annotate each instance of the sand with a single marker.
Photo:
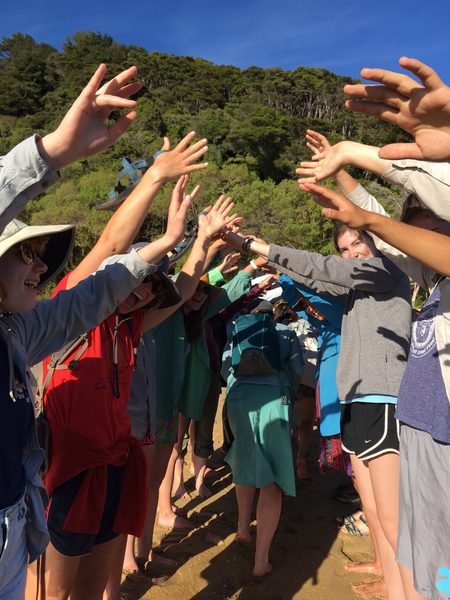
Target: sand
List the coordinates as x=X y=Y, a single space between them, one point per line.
x=308 y=552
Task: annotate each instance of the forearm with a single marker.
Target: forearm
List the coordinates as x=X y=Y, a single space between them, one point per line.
x=346 y=183
x=428 y=247
x=254 y=247
x=193 y=268
x=126 y=222
x=362 y=156
x=24 y=174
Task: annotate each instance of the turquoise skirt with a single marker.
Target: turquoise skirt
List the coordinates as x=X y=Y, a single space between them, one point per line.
x=261 y=452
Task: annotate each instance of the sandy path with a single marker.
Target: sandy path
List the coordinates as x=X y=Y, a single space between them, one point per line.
x=308 y=552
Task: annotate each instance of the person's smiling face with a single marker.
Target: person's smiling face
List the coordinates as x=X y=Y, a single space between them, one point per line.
x=21 y=268
x=353 y=244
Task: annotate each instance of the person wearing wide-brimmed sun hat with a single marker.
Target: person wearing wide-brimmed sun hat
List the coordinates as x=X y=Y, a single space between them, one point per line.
x=29 y=331
x=29 y=257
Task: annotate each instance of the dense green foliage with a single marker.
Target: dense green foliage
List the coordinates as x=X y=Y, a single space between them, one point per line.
x=254 y=119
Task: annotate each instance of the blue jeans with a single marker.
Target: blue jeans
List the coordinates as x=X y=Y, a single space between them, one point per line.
x=13 y=551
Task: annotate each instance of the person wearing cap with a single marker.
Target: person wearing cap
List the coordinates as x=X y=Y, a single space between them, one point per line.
x=261 y=451
x=91 y=439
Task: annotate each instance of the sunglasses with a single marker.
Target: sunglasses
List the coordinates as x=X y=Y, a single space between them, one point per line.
x=27 y=253
x=203 y=289
x=157 y=284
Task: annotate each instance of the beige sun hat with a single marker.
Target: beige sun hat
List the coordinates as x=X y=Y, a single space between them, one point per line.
x=57 y=250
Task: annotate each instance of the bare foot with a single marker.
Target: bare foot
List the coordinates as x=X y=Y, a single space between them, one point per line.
x=374 y=588
x=173 y=521
x=262 y=570
x=178 y=510
x=181 y=493
x=204 y=491
x=369 y=568
x=159 y=559
x=243 y=538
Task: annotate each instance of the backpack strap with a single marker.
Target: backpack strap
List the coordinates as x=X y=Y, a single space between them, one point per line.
x=57 y=361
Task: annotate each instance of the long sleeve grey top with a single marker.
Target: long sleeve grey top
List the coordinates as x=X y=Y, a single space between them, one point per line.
x=33 y=335
x=377 y=316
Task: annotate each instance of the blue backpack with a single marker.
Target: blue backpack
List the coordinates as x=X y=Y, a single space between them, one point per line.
x=255 y=347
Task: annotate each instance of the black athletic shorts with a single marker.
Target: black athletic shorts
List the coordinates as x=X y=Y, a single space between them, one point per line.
x=369 y=429
x=70 y=543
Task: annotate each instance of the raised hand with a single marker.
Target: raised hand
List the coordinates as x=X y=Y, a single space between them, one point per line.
x=171 y=164
x=213 y=220
x=84 y=130
x=229 y=263
x=178 y=211
x=421 y=110
x=337 y=207
x=327 y=159
x=268 y=281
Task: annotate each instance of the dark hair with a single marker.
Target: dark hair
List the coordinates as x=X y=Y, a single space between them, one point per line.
x=284 y=313
x=411 y=208
x=193 y=321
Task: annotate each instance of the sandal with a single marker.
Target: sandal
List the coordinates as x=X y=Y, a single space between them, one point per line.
x=355 y=526
x=134 y=172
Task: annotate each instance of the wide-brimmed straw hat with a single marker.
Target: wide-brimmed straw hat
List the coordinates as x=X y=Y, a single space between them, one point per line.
x=57 y=249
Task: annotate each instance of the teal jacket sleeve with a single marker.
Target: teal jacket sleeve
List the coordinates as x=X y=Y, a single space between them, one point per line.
x=215 y=276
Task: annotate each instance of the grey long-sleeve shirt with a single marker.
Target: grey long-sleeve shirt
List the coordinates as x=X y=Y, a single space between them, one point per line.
x=377 y=318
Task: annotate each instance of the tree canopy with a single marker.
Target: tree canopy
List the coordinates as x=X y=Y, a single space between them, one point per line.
x=255 y=120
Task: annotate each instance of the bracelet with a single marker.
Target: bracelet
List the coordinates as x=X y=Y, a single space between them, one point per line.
x=157 y=153
x=246 y=244
x=254 y=265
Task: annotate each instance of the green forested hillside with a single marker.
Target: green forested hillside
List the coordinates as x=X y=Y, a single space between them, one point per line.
x=254 y=119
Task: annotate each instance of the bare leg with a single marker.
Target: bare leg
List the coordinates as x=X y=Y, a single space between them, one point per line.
x=370 y=568
x=363 y=473
x=268 y=511
x=408 y=584
x=157 y=460
x=178 y=489
x=244 y=496
x=166 y=516
x=114 y=574
x=129 y=561
x=306 y=409
x=199 y=474
x=60 y=573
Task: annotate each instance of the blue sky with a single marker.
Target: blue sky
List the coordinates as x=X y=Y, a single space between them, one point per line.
x=340 y=35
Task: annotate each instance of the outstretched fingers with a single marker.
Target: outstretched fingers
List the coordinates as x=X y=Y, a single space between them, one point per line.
x=93 y=84
x=426 y=74
x=377 y=109
x=118 y=128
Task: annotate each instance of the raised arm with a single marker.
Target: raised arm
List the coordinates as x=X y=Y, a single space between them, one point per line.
x=428 y=247
x=421 y=110
x=210 y=223
x=30 y=168
x=327 y=160
x=125 y=223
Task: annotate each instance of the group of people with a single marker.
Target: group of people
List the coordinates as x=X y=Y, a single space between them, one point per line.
x=126 y=358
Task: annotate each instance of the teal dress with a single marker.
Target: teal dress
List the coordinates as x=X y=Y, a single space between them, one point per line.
x=182 y=369
x=258 y=414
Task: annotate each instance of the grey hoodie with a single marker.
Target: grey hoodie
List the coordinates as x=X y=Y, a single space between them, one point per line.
x=377 y=319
